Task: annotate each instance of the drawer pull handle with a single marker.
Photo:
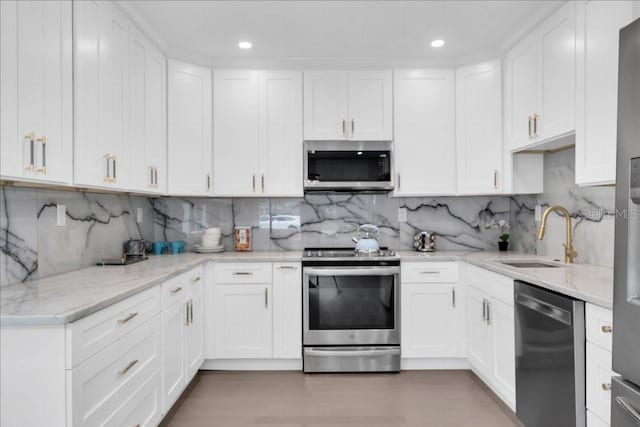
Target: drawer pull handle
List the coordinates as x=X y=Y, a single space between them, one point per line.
x=126 y=319
x=607 y=329
x=606 y=386
x=176 y=290
x=287 y=267
x=430 y=272
x=126 y=369
x=242 y=273
x=197 y=279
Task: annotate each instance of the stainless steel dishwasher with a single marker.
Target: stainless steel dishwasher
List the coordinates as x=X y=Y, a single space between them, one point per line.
x=550 y=358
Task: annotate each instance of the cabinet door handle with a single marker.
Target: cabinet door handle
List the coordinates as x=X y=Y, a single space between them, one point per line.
x=176 y=290
x=155 y=177
x=107 y=177
x=453 y=297
x=126 y=369
x=353 y=126
x=607 y=329
x=114 y=176
x=495 y=179
x=606 y=386
x=150 y=176
x=488 y=312
x=484 y=310
x=530 y=127
x=243 y=273
x=208 y=182
x=535 y=124
x=126 y=319
x=430 y=272
x=266 y=298
x=344 y=127
x=262 y=182
x=253 y=182
x=186 y=313
x=398 y=182
x=191 y=312
x=43 y=140
x=197 y=279
x=31 y=166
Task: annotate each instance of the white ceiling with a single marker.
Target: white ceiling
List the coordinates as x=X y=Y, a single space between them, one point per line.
x=307 y=33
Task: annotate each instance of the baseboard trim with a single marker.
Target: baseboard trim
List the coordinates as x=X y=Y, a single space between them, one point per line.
x=428 y=364
x=252 y=365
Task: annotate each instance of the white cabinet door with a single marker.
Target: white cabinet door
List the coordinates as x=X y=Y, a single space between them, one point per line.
x=501 y=320
x=242 y=318
x=189 y=126
x=147 y=88
x=522 y=84
x=287 y=310
x=429 y=320
x=597 y=33
x=174 y=319
x=325 y=105
x=480 y=337
x=101 y=95
x=280 y=133
x=370 y=106
x=598 y=383
x=557 y=42
x=424 y=124
x=194 y=334
x=479 y=128
x=36 y=90
x=235 y=133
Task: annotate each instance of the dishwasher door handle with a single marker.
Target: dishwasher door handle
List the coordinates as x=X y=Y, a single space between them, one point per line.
x=544 y=308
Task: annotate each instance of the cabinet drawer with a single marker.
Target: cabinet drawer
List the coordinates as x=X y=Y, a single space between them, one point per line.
x=429 y=272
x=142 y=408
x=599 y=375
x=91 y=334
x=100 y=385
x=243 y=272
x=498 y=286
x=176 y=289
x=599 y=324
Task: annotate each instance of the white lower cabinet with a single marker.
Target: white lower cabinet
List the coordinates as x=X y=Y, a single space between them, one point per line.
x=173 y=357
x=491 y=331
x=599 y=328
x=287 y=310
x=242 y=318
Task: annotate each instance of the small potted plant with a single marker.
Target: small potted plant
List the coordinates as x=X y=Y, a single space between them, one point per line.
x=503 y=225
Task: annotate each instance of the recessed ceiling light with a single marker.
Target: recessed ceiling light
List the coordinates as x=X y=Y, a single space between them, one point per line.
x=437 y=43
x=245 y=45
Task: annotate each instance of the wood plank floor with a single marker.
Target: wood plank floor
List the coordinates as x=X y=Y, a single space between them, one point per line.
x=293 y=399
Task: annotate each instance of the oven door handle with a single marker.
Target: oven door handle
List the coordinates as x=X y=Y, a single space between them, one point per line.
x=351 y=352
x=351 y=271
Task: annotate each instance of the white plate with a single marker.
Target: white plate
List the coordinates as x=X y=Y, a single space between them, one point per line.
x=205 y=250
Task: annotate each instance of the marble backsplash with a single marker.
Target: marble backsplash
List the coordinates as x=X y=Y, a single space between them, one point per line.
x=32 y=245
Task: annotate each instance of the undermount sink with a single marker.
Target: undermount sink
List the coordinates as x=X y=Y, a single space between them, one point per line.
x=529 y=264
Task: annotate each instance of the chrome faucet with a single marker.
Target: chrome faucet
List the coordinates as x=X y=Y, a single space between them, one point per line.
x=569 y=253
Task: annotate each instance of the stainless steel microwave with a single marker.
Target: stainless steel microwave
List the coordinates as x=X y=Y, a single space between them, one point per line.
x=348 y=165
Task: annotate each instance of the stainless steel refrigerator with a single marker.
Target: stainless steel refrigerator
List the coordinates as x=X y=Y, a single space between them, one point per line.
x=625 y=395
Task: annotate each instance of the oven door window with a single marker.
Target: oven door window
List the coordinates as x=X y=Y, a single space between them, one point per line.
x=351 y=302
x=348 y=166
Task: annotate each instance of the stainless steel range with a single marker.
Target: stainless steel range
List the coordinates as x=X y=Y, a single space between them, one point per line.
x=351 y=311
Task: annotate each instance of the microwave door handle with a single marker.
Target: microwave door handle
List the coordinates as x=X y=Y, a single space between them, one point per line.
x=352 y=271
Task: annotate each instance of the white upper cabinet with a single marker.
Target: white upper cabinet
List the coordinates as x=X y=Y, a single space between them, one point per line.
x=424 y=132
x=539 y=84
x=148 y=147
x=280 y=132
x=257 y=131
x=325 y=105
x=370 y=106
x=189 y=129
x=101 y=95
x=479 y=128
x=36 y=91
x=341 y=105
x=598 y=24
x=235 y=133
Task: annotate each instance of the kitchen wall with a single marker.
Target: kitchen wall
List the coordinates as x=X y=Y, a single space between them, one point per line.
x=32 y=245
x=592 y=210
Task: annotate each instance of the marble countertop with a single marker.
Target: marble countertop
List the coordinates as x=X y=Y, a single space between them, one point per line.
x=64 y=298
